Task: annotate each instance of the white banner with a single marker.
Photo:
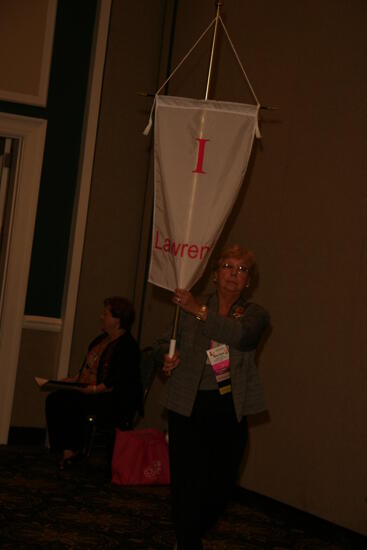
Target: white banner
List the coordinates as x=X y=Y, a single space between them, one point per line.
x=201 y=154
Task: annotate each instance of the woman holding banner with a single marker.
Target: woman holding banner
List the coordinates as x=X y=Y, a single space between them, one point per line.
x=212 y=386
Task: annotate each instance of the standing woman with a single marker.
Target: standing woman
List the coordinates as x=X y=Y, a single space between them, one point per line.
x=212 y=386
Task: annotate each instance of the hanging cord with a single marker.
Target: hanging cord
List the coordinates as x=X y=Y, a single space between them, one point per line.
x=149 y=125
x=239 y=62
x=257 y=130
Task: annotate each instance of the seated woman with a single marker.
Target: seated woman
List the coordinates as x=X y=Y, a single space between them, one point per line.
x=113 y=389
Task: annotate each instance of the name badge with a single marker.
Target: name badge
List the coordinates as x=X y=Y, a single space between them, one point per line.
x=218 y=357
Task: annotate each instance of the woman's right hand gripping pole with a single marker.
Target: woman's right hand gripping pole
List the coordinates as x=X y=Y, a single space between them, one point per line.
x=170 y=363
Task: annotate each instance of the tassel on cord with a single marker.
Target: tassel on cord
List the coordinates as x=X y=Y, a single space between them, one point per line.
x=150 y=121
x=148 y=127
x=257 y=129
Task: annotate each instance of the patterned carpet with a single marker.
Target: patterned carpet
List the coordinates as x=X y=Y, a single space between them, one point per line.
x=41 y=507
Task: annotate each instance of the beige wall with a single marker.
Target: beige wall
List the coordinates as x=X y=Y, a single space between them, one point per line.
x=23 y=38
x=37 y=357
x=302 y=210
x=121 y=165
x=26 y=39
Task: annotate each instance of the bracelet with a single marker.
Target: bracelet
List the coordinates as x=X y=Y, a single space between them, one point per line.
x=200 y=316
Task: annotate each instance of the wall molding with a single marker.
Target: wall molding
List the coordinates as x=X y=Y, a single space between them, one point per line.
x=36 y=322
x=39 y=98
x=32 y=133
x=84 y=182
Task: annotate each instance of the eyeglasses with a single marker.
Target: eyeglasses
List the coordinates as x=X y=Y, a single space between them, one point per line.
x=238 y=268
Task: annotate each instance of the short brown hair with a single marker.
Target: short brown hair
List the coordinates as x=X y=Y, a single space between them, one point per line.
x=237 y=251
x=122 y=309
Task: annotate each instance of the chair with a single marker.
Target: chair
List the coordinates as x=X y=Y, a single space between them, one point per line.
x=100 y=435
x=97 y=434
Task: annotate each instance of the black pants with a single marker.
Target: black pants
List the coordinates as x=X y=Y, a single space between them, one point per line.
x=66 y=412
x=206 y=450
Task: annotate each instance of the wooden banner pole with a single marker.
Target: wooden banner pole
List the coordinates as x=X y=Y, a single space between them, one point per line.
x=219 y=4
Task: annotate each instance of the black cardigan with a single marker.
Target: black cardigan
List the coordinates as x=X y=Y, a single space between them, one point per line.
x=119 y=370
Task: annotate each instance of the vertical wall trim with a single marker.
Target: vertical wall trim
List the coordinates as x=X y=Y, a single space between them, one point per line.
x=32 y=133
x=84 y=179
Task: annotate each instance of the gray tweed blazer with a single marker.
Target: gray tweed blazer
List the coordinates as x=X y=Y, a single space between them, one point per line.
x=242 y=334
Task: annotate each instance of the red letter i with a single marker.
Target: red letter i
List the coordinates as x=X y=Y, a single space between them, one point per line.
x=199 y=165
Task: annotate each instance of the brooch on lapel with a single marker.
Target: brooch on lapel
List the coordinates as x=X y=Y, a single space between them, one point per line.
x=238 y=312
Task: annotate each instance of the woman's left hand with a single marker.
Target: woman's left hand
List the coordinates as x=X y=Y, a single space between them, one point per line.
x=186 y=301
